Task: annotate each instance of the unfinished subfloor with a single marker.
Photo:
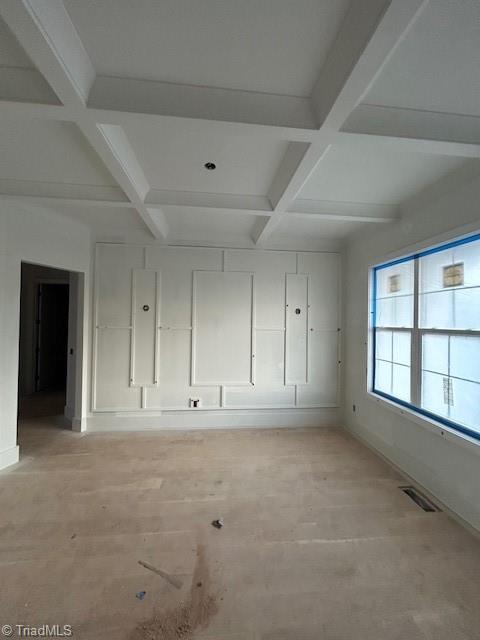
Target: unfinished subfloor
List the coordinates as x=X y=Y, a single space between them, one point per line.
x=319 y=543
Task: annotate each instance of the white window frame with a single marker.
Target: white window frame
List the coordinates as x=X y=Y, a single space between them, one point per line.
x=416 y=332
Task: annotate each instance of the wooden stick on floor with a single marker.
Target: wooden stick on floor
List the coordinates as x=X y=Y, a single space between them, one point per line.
x=175 y=582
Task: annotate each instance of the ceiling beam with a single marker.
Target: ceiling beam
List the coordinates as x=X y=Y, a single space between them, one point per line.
x=205 y=103
x=366 y=124
x=369 y=35
x=46 y=189
x=344 y=211
x=409 y=145
x=297 y=165
x=232 y=127
x=445 y=133
x=367 y=38
x=297 y=154
x=327 y=210
x=46 y=32
x=225 y=201
x=198 y=203
x=110 y=143
x=61 y=201
x=15 y=110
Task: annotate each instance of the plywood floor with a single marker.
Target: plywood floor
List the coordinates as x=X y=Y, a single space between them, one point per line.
x=318 y=544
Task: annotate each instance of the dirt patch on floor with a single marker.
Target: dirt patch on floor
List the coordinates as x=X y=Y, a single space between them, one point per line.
x=196 y=612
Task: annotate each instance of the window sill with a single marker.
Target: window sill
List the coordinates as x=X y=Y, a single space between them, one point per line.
x=437 y=428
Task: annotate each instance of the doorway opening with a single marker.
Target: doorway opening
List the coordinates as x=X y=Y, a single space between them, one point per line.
x=44 y=350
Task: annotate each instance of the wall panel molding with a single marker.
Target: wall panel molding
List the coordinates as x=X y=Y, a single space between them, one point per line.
x=218 y=330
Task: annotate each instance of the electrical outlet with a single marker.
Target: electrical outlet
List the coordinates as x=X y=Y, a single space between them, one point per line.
x=194 y=403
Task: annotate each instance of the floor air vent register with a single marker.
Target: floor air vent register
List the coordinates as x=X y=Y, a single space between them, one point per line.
x=423 y=502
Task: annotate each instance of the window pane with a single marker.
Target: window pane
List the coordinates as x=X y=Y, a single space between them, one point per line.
x=469 y=255
x=403 y=311
x=466 y=404
x=385 y=313
x=449 y=288
x=401 y=382
x=383 y=345
x=401 y=347
x=383 y=376
x=394 y=295
x=465 y=357
x=435 y=353
x=433 y=394
x=395 y=312
x=396 y=280
x=466 y=308
x=436 y=310
x=431 y=270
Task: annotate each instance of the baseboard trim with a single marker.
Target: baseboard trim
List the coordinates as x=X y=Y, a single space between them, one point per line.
x=9 y=456
x=78 y=424
x=187 y=420
x=411 y=479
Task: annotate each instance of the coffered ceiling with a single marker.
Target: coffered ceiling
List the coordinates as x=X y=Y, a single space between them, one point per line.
x=320 y=116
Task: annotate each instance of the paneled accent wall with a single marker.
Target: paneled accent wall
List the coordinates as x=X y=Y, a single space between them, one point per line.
x=225 y=329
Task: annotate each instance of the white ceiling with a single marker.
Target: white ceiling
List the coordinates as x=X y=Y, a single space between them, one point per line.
x=437 y=66
x=272 y=46
x=173 y=157
x=111 y=224
x=11 y=53
x=44 y=151
x=294 y=168
x=367 y=172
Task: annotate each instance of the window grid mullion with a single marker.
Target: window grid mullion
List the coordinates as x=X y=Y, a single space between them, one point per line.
x=451 y=332
x=449 y=378
x=416 y=343
x=391 y=363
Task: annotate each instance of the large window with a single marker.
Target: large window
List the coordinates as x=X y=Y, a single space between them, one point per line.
x=426 y=333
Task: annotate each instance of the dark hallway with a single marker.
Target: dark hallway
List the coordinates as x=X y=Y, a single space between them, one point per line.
x=43 y=349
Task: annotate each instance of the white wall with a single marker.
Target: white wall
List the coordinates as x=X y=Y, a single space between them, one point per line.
x=447 y=465
x=38 y=236
x=217 y=329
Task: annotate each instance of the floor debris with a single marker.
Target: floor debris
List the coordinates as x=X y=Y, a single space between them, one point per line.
x=218 y=524
x=175 y=582
x=141 y=595
x=181 y=622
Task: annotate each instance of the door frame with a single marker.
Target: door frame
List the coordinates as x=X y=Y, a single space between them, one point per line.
x=76 y=400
